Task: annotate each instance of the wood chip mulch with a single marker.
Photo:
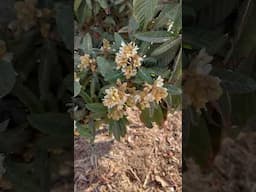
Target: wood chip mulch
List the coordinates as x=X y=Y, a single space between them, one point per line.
x=146 y=160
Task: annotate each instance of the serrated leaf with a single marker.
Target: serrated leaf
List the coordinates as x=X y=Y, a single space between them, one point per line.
x=27 y=97
x=158 y=116
x=144 y=75
x=85 y=96
x=118 y=40
x=89 y=3
x=235 y=82
x=93 y=85
x=7 y=78
x=64 y=15
x=176 y=76
x=107 y=70
x=84 y=130
x=167 y=46
x=77 y=88
x=98 y=109
x=118 y=128
x=4 y=125
x=84 y=13
x=152 y=114
x=56 y=124
x=174 y=90
x=171 y=12
x=199 y=143
x=103 y=4
x=77 y=3
x=144 y=10
x=132 y=26
x=145 y=118
x=154 y=36
x=48 y=59
x=86 y=44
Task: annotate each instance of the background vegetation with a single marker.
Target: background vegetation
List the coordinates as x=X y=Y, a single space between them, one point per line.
x=226 y=31
x=36 y=83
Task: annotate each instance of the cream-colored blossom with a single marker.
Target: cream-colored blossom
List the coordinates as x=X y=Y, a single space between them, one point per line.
x=76 y=78
x=170 y=25
x=87 y=63
x=153 y=93
x=106 y=46
x=116 y=96
x=28 y=16
x=201 y=63
x=200 y=87
x=128 y=59
x=26 y=12
x=45 y=29
x=116 y=113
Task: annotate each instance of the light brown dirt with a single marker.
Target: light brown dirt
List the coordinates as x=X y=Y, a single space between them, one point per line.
x=146 y=160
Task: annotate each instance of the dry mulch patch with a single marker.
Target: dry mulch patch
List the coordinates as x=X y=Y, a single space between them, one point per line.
x=146 y=160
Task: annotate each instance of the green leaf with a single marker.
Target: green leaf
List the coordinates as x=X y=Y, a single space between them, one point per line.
x=112 y=78
x=145 y=118
x=152 y=114
x=93 y=85
x=144 y=10
x=48 y=60
x=122 y=124
x=158 y=115
x=77 y=3
x=118 y=40
x=49 y=141
x=7 y=78
x=77 y=88
x=86 y=44
x=170 y=12
x=174 y=90
x=118 y=128
x=144 y=75
x=176 y=101
x=132 y=26
x=243 y=107
x=89 y=3
x=27 y=97
x=84 y=130
x=4 y=125
x=64 y=15
x=103 y=4
x=85 y=96
x=98 y=109
x=115 y=130
x=167 y=46
x=17 y=139
x=212 y=40
x=84 y=12
x=199 y=143
x=235 y=82
x=56 y=124
x=67 y=84
x=154 y=36
x=107 y=70
x=176 y=76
